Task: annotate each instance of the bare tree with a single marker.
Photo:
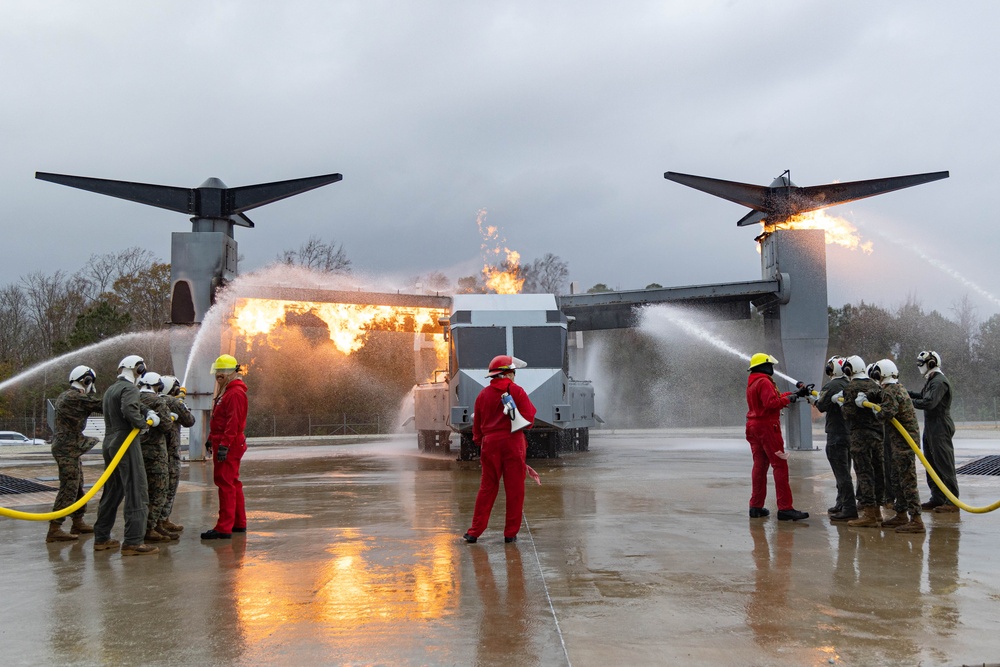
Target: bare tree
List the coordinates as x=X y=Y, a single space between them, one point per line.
x=320 y=255
x=545 y=275
x=15 y=334
x=102 y=271
x=53 y=303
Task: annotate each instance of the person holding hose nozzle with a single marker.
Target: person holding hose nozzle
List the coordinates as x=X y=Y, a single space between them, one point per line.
x=935 y=400
x=226 y=438
x=838 y=445
x=122 y=413
x=763 y=432
x=498 y=406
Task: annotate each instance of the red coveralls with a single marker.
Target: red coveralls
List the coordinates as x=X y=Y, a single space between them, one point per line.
x=229 y=419
x=764 y=435
x=503 y=454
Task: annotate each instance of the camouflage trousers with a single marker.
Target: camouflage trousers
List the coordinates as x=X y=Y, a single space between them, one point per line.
x=70 y=485
x=154 y=458
x=174 y=476
x=866 y=455
x=904 y=476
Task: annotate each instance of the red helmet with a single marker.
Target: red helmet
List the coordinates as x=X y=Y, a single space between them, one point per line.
x=504 y=364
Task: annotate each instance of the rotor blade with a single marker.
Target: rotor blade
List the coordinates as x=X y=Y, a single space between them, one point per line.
x=751 y=218
x=753 y=196
x=161 y=196
x=820 y=196
x=251 y=196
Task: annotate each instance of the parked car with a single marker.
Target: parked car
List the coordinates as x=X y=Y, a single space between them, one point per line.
x=15 y=438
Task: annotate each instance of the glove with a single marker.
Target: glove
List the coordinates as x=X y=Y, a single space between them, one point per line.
x=221 y=454
x=173 y=416
x=208 y=446
x=152 y=418
x=792 y=398
x=803 y=390
x=783 y=455
x=860 y=399
x=838 y=398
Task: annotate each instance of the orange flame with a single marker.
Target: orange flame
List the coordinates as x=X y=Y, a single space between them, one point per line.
x=502 y=276
x=838 y=231
x=348 y=323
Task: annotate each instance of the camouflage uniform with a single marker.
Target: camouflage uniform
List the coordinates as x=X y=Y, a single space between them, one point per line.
x=154 y=456
x=69 y=444
x=184 y=418
x=866 y=439
x=896 y=404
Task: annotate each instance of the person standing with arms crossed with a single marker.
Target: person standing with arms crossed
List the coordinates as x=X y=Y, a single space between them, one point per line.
x=72 y=409
x=227 y=440
x=504 y=451
x=763 y=432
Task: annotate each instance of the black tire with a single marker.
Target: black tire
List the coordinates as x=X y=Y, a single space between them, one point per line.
x=584 y=439
x=444 y=441
x=467 y=449
x=425 y=439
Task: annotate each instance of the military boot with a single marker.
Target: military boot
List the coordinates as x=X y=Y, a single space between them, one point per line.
x=898 y=520
x=870 y=518
x=171 y=526
x=915 y=525
x=162 y=530
x=153 y=536
x=56 y=534
x=80 y=527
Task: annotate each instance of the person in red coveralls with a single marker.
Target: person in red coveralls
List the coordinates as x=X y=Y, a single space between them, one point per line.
x=502 y=450
x=764 y=435
x=226 y=439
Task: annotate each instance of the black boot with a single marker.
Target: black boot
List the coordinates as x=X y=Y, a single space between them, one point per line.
x=792 y=515
x=845 y=514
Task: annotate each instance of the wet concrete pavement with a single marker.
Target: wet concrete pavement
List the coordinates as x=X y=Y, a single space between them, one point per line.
x=638 y=552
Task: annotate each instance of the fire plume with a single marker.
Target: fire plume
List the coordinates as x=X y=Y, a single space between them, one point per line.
x=348 y=323
x=502 y=271
x=838 y=231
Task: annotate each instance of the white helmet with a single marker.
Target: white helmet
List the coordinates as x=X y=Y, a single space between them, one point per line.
x=927 y=361
x=150 y=382
x=171 y=385
x=82 y=378
x=131 y=367
x=884 y=372
x=835 y=367
x=854 y=367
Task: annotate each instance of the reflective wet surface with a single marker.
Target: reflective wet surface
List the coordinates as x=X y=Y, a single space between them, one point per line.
x=637 y=552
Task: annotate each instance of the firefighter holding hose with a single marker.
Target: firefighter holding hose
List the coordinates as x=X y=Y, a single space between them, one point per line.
x=763 y=432
x=501 y=409
x=72 y=409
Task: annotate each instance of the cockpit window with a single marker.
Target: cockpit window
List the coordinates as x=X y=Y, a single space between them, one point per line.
x=476 y=346
x=540 y=347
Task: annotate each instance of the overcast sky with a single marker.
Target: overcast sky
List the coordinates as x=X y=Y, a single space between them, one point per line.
x=558 y=118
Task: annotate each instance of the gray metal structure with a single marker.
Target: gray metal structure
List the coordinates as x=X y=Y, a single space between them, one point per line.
x=201 y=261
x=783 y=199
x=796 y=322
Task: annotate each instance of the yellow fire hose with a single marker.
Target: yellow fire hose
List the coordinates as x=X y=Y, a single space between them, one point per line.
x=66 y=511
x=930 y=471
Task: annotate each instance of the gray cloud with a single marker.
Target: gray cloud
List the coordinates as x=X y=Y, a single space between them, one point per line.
x=558 y=118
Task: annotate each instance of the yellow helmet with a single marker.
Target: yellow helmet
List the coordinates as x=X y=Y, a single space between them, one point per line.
x=226 y=363
x=761 y=358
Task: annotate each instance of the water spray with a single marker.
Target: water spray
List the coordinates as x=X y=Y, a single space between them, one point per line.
x=940 y=265
x=652 y=315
